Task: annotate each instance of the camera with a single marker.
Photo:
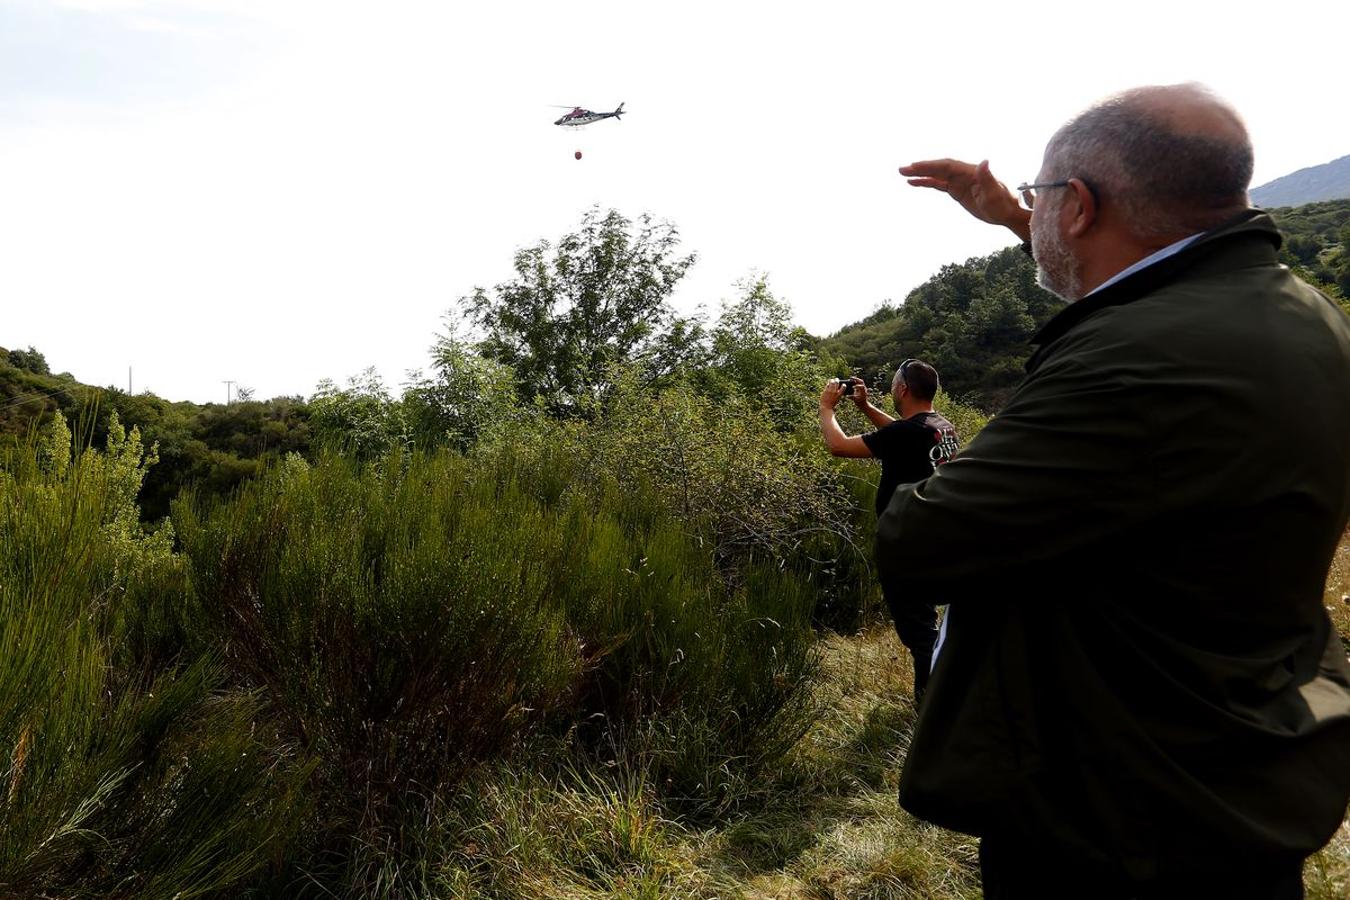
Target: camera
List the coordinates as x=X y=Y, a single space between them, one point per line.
x=848 y=385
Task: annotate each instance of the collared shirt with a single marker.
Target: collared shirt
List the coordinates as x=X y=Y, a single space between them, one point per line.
x=1169 y=250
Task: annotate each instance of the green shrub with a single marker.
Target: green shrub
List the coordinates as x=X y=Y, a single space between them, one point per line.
x=408 y=619
x=119 y=776
x=388 y=612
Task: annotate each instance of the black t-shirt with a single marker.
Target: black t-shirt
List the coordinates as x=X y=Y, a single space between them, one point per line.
x=909 y=450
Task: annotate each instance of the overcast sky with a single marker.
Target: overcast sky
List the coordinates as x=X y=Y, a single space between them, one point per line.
x=276 y=192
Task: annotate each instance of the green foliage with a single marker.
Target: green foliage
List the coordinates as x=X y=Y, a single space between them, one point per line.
x=759 y=356
x=28 y=399
x=55 y=447
x=121 y=778
x=468 y=396
x=375 y=607
x=29 y=360
x=213 y=446
x=597 y=298
x=1317 y=246
x=123 y=467
x=750 y=483
x=971 y=321
x=407 y=619
x=363 y=418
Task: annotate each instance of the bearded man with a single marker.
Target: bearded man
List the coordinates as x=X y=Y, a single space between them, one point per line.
x=1140 y=693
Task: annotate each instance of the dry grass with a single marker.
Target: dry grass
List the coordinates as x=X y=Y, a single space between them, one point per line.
x=1327 y=875
x=842 y=835
x=825 y=826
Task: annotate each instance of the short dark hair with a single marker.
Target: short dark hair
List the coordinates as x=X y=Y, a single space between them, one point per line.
x=919 y=377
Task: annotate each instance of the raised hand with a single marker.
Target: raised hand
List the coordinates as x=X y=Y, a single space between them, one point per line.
x=832 y=394
x=975 y=188
x=859 y=393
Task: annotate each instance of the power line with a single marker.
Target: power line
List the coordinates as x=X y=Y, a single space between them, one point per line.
x=20 y=399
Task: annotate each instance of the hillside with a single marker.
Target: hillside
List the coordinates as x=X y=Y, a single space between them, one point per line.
x=214 y=446
x=973 y=320
x=1329 y=181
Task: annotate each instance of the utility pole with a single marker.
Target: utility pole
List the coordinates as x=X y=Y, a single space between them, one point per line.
x=228 y=386
x=128 y=380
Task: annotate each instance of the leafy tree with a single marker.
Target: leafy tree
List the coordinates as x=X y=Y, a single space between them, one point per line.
x=468 y=394
x=362 y=418
x=1304 y=248
x=29 y=360
x=758 y=353
x=597 y=298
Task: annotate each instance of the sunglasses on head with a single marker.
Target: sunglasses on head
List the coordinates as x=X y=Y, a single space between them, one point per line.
x=903 y=371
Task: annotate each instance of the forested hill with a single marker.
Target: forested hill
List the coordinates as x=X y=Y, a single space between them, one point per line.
x=213 y=445
x=973 y=320
x=1329 y=181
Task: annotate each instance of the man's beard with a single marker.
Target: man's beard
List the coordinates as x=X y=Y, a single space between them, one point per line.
x=1056 y=269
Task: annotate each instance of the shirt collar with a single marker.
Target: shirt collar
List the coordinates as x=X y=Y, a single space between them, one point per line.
x=1170 y=250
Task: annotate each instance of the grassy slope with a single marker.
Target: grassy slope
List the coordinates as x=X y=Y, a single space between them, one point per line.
x=825 y=826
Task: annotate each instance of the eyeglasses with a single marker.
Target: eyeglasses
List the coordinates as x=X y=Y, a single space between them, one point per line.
x=1028 y=190
x=1029 y=195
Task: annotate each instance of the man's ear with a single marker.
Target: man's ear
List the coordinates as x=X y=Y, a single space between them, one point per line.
x=1083 y=208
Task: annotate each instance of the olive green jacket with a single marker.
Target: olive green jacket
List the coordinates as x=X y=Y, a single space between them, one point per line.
x=1138 y=665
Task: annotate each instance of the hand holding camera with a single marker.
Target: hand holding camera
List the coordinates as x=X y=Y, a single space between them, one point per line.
x=844 y=386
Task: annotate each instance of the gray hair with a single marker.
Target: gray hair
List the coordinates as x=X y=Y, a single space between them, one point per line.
x=1165 y=178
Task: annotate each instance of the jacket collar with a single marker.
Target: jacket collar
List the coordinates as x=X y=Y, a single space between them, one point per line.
x=1250 y=223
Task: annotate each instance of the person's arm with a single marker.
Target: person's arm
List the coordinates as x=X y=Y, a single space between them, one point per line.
x=975 y=188
x=874 y=415
x=839 y=444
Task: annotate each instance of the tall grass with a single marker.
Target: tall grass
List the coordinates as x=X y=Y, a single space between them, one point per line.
x=118 y=778
x=410 y=619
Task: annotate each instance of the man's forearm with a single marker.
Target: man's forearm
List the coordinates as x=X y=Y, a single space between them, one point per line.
x=829 y=429
x=1019 y=223
x=876 y=416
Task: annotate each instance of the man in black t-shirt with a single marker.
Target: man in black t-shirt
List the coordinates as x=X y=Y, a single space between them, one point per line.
x=909 y=448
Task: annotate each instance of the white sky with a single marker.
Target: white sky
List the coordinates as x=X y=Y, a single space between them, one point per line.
x=276 y=192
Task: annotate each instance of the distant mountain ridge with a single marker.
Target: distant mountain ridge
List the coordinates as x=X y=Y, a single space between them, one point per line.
x=1329 y=181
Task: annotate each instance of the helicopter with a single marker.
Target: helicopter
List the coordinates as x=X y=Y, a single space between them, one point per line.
x=579 y=116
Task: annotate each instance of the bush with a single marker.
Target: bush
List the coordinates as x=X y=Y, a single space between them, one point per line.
x=408 y=619
x=30 y=360
x=385 y=613
x=123 y=777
